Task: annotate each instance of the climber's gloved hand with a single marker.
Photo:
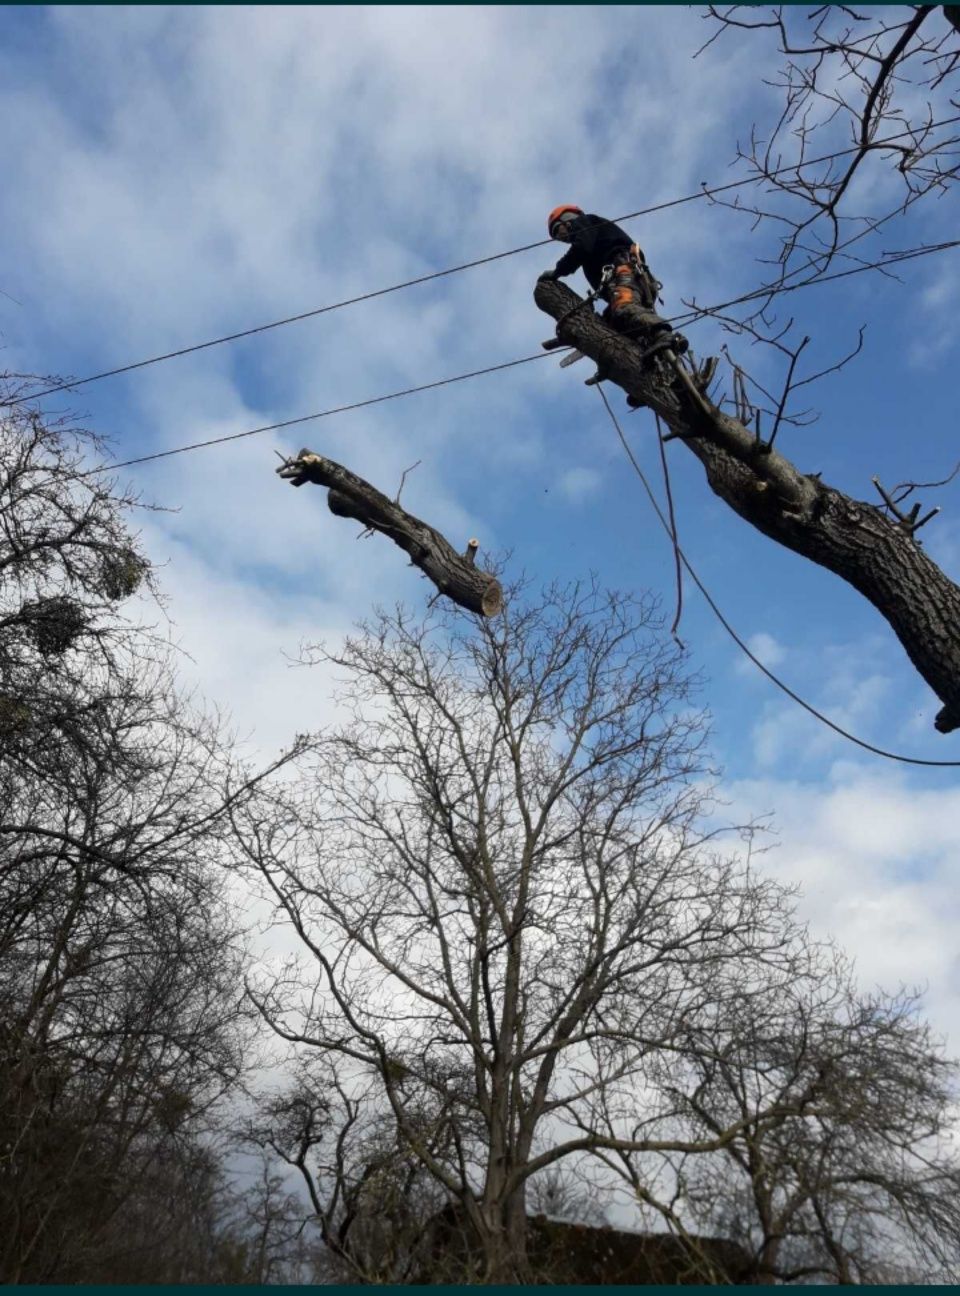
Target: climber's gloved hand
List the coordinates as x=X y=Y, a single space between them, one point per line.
x=549 y=274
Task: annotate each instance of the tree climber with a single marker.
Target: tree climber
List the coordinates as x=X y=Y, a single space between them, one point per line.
x=617 y=271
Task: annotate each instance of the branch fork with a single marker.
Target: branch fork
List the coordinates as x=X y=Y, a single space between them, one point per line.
x=911 y=522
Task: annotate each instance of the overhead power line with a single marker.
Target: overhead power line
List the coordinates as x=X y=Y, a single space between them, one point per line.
x=705 y=191
x=711 y=603
x=312 y=418
x=512 y=364
x=407 y=391
x=777 y=290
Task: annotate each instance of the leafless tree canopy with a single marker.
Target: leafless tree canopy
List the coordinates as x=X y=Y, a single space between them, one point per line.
x=508 y=909
x=122 y=1024
x=861 y=138
x=864 y=1187
x=866 y=128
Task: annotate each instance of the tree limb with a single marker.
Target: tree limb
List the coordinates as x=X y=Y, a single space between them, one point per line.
x=853 y=539
x=351 y=496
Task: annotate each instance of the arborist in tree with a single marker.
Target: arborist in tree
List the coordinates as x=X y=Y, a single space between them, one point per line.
x=617 y=271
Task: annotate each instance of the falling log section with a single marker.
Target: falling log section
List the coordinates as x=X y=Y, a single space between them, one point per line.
x=454 y=574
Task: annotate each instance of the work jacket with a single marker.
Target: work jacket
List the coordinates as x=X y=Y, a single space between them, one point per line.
x=595 y=243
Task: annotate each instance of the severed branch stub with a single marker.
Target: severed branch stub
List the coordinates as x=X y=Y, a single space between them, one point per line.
x=350 y=496
x=911 y=521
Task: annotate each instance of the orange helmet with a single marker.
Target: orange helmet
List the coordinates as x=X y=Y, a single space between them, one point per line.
x=557 y=212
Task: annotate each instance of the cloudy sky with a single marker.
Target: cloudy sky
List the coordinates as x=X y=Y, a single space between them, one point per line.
x=174 y=174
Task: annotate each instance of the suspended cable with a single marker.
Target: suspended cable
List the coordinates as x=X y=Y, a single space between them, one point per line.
x=311 y=418
x=785 y=688
x=774 y=290
x=409 y=391
x=705 y=191
x=672 y=519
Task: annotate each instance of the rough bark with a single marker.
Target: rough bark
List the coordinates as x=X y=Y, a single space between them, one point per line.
x=855 y=540
x=351 y=496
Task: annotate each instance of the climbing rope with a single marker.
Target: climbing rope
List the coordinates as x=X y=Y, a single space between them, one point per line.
x=774 y=679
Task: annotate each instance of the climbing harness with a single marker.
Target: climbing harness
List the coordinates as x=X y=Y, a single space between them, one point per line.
x=650 y=282
x=632 y=267
x=551 y=344
x=623 y=282
x=632 y=270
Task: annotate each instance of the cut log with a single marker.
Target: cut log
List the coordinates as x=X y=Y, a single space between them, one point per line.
x=350 y=496
x=856 y=540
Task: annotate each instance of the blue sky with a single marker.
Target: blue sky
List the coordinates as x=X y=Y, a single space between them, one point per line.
x=175 y=174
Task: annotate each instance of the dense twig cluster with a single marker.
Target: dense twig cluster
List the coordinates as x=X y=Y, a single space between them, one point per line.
x=121 y=1028
x=883 y=86
x=521 y=951
x=885 y=82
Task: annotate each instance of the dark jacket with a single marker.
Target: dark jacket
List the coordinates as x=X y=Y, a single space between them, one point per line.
x=595 y=243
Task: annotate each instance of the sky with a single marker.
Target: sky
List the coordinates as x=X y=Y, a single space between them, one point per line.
x=174 y=174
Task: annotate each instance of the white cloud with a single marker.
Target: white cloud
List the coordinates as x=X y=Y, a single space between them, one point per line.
x=851 y=683
x=935 y=315
x=876 y=862
x=764 y=646
x=239 y=642
x=191 y=171
x=579 y=484
x=873 y=851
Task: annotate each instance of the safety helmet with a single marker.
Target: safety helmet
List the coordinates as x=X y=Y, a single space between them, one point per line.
x=557 y=212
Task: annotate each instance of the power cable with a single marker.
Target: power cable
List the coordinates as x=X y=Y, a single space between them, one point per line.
x=408 y=391
x=264 y=328
x=771 y=290
x=310 y=418
x=785 y=688
x=668 y=528
x=705 y=191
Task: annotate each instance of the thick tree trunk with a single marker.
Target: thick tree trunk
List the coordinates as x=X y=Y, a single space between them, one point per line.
x=478 y=1241
x=350 y=496
x=503 y=1241
x=851 y=538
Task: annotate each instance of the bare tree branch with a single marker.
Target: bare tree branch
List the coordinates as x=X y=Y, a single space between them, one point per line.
x=853 y=539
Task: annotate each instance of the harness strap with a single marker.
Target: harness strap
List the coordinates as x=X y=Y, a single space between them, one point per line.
x=608 y=272
x=635 y=263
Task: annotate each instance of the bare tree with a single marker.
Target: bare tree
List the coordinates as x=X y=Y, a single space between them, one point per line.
x=122 y=1022
x=502 y=896
x=872 y=1182
x=196 y=1216
x=370 y=1195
